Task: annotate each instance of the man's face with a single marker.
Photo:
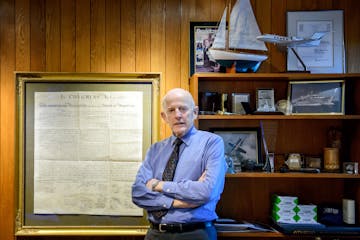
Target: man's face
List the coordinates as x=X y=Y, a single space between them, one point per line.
x=179 y=114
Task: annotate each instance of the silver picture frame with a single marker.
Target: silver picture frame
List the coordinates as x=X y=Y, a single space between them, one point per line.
x=329 y=55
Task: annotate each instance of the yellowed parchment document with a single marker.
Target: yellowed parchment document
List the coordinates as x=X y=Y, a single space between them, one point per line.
x=87 y=150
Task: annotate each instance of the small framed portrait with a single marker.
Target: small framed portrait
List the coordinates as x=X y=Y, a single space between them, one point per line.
x=317 y=97
x=202 y=35
x=242 y=147
x=265 y=100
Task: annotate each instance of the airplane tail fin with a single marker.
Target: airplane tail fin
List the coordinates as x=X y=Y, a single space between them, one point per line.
x=318 y=35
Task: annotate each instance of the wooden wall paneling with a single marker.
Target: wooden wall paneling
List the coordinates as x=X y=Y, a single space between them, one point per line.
x=217 y=9
x=67 y=34
x=352 y=35
x=293 y=5
x=97 y=35
x=112 y=38
x=37 y=35
x=157 y=53
x=22 y=35
x=312 y=5
x=203 y=10
x=278 y=26
x=172 y=43
x=7 y=120
x=172 y=47
x=52 y=46
x=143 y=36
x=82 y=54
x=128 y=26
x=188 y=14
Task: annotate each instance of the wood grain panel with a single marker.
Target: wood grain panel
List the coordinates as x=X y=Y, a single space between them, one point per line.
x=217 y=9
x=7 y=120
x=22 y=31
x=82 y=56
x=112 y=40
x=187 y=15
x=68 y=34
x=203 y=10
x=172 y=54
x=53 y=36
x=351 y=33
x=97 y=34
x=128 y=26
x=277 y=57
x=37 y=35
x=143 y=36
x=172 y=40
x=157 y=43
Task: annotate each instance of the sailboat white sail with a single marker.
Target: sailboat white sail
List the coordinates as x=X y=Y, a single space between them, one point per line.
x=243 y=30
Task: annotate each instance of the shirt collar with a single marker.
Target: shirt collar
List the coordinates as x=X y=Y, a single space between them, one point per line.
x=186 y=138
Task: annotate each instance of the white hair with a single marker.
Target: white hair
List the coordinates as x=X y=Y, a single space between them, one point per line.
x=179 y=92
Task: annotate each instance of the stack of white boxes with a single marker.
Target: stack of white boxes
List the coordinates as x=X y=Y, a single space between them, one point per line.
x=286 y=209
x=306 y=213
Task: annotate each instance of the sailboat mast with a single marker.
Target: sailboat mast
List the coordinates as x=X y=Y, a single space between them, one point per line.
x=227 y=38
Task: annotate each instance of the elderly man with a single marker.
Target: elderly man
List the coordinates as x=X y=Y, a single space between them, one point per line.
x=182 y=177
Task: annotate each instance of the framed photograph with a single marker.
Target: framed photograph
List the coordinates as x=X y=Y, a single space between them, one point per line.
x=242 y=147
x=325 y=56
x=351 y=167
x=81 y=139
x=317 y=97
x=237 y=100
x=202 y=36
x=265 y=100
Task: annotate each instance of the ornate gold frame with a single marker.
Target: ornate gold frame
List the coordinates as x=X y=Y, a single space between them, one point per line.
x=127 y=225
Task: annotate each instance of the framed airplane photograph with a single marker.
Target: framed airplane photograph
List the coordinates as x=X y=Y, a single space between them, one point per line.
x=323 y=55
x=242 y=147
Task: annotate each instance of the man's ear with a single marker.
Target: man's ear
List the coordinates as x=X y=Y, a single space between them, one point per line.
x=196 y=112
x=163 y=116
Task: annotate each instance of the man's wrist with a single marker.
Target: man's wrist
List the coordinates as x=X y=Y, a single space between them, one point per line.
x=154 y=184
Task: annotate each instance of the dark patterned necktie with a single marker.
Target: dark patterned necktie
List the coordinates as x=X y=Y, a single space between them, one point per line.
x=168 y=174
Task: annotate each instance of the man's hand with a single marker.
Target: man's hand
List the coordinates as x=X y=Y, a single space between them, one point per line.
x=202 y=177
x=153 y=185
x=181 y=204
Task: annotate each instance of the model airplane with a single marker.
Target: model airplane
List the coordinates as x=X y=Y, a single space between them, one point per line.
x=283 y=42
x=312 y=41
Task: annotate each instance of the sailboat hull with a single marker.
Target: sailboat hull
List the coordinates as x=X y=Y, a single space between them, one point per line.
x=244 y=62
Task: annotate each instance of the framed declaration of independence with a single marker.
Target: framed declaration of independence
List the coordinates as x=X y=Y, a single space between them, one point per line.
x=81 y=138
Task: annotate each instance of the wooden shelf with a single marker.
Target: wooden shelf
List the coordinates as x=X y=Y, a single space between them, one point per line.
x=279 y=117
x=293 y=175
x=270 y=76
x=251 y=234
x=247 y=195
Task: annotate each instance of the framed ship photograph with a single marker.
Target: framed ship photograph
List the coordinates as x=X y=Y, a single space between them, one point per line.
x=202 y=35
x=317 y=97
x=242 y=147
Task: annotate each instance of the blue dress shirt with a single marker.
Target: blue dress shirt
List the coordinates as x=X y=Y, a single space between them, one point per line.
x=200 y=151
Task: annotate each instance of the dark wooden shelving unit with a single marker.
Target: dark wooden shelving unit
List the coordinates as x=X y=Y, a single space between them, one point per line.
x=247 y=194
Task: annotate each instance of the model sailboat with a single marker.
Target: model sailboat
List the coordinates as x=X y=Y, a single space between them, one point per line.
x=241 y=35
